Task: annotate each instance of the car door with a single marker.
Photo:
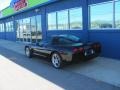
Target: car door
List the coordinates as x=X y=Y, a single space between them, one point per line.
x=42 y=49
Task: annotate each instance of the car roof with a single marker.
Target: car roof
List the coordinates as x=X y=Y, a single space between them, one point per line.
x=63 y=35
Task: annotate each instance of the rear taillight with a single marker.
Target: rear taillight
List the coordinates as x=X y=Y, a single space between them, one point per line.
x=96 y=46
x=78 y=50
x=75 y=50
x=81 y=49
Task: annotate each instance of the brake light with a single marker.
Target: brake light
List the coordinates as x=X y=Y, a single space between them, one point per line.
x=75 y=50
x=96 y=46
x=81 y=49
x=78 y=50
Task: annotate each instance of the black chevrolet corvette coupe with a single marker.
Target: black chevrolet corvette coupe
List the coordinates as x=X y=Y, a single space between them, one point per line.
x=62 y=48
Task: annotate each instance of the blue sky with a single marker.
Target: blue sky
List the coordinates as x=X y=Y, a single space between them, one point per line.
x=4 y=3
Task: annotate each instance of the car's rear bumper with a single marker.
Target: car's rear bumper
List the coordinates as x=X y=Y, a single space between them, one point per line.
x=78 y=57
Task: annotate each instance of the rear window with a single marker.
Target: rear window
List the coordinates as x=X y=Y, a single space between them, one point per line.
x=66 y=39
x=72 y=38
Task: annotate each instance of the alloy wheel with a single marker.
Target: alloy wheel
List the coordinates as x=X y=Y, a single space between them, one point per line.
x=56 y=60
x=27 y=52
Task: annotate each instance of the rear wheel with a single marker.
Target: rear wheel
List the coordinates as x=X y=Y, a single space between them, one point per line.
x=56 y=60
x=28 y=52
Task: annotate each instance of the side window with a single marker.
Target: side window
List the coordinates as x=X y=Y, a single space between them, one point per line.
x=64 y=41
x=55 y=41
x=60 y=41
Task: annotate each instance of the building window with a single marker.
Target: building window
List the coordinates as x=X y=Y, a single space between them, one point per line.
x=70 y=19
x=75 y=18
x=3 y=29
x=117 y=14
x=52 y=21
x=33 y=29
x=0 y=27
x=29 y=29
x=26 y=29
x=9 y=27
x=101 y=16
x=39 y=28
x=63 y=20
x=105 y=15
x=6 y=27
x=18 y=30
x=21 y=30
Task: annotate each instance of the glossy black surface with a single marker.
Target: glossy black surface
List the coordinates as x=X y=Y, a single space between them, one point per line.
x=68 y=46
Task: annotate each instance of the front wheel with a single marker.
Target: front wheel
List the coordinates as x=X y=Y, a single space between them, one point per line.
x=56 y=60
x=28 y=52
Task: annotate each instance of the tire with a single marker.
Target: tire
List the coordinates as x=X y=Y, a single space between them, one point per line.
x=28 y=52
x=56 y=60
